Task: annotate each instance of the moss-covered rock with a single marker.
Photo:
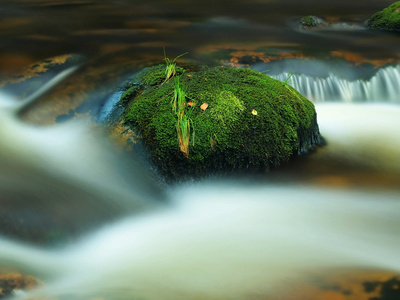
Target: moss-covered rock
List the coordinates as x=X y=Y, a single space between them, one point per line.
x=252 y=122
x=132 y=91
x=386 y=19
x=309 y=21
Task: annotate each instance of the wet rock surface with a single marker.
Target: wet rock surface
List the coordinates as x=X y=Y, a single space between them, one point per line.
x=11 y=282
x=347 y=285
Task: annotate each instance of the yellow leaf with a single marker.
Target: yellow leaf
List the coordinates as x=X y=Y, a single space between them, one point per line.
x=204 y=106
x=254 y=112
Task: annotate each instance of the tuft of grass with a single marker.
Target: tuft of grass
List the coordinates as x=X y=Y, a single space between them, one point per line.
x=288 y=79
x=179 y=98
x=183 y=125
x=170 y=68
x=183 y=131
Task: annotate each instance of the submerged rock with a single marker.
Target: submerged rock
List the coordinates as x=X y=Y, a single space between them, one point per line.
x=313 y=23
x=386 y=19
x=346 y=284
x=11 y=282
x=218 y=120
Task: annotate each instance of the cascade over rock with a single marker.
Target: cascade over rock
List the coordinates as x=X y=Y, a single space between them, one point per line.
x=383 y=85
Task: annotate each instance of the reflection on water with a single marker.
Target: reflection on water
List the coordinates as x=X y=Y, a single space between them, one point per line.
x=242 y=238
x=34 y=30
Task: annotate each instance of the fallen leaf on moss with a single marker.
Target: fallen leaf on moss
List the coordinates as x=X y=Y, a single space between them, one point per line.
x=204 y=106
x=254 y=112
x=190 y=103
x=188 y=75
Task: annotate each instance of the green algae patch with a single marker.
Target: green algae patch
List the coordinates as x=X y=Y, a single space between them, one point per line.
x=386 y=19
x=240 y=120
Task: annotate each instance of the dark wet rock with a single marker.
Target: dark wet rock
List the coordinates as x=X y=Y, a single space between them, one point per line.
x=24 y=83
x=347 y=284
x=389 y=290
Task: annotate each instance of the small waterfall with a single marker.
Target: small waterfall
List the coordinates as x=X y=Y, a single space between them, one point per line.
x=383 y=86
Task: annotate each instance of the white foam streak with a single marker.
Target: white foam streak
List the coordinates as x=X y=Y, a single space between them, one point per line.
x=228 y=241
x=30 y=259
x=47 y=86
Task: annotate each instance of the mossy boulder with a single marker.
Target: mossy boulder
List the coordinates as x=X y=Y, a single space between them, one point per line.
x=386 y=19
x=308 y=21
x=252 y=122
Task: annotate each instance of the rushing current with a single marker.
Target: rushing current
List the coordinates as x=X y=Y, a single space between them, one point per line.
x=91 y=220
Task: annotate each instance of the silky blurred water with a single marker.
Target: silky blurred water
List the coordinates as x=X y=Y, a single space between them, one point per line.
x=94 y=221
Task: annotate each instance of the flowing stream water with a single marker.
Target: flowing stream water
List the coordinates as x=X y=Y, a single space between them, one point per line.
x=93 y=221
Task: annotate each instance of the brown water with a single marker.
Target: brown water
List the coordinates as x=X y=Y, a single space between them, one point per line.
x=208 y=30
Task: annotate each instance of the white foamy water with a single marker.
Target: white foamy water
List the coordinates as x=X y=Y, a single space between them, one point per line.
x=225 y=241
x=367 y=134
x=50 y=169
x=235 y=240
x=216 y=240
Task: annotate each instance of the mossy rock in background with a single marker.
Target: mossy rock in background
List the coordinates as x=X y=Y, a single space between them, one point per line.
x=309 y=21
x=252 y=122
x=386 y=19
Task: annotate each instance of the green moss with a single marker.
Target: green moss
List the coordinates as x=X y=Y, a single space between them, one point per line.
x=252 y=122
x=386 y=19
x=308 y=21
x=130 y=93
x=227 y=109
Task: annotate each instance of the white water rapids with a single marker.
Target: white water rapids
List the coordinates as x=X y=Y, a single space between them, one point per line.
x=226 y=239
x=222 y=242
